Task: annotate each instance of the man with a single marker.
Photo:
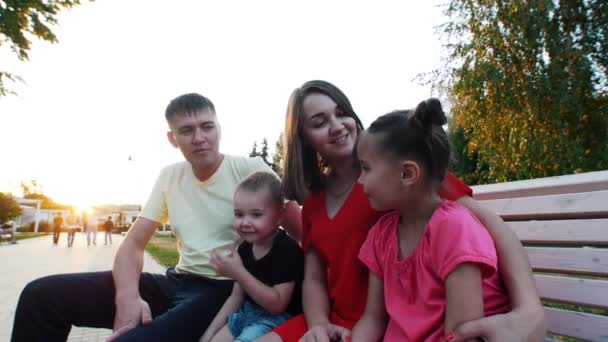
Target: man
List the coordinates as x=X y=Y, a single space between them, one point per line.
x=108 y=226
x=196 y=196
x=57 y=225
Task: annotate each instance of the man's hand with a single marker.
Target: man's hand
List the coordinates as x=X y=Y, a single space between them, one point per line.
x=326 y=333
x=130 y=314
x=227 y=265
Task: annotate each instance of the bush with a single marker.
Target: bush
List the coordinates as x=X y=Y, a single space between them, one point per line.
x=42 y=227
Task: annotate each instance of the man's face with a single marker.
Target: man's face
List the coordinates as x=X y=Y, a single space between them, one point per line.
x=197 y=135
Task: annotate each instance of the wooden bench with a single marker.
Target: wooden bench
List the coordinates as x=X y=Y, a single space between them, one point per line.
x=7 y=231
x=563 y=224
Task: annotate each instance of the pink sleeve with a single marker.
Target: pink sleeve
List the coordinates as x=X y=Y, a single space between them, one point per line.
x=370 y=252
x=459 y=238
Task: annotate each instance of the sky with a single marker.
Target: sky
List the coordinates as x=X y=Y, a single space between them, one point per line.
x=97 y=97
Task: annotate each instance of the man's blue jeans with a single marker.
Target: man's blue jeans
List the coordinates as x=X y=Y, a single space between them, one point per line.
x=183 y=305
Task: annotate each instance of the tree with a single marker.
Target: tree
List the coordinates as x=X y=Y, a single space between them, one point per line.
x=528 y=85
x=33 y=190
x=21 y=20
x=9 y=208
x=277 y=158
x=254 y=150
x=31 y=187
x=264 y=153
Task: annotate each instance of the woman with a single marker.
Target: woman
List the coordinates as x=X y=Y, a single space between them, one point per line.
x=321 y=173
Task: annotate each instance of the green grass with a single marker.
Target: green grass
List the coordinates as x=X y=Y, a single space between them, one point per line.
x=23 y=236
x=163 y=250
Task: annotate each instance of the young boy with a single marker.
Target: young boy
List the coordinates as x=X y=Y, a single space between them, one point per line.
x=268 y=267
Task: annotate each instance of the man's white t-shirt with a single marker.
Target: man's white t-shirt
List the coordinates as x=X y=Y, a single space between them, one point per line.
x=200 y=213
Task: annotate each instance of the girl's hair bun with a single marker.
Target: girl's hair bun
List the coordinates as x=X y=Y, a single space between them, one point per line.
x=430 y=113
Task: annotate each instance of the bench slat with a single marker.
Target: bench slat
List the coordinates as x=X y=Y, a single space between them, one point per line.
x=579 y=291
x=589 y=261
x=583 y=182
x=565 y=232
x=576 y=324
x=565 y=206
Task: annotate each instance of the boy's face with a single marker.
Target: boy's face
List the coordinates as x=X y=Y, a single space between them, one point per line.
x=197 y=135
x=256 y=216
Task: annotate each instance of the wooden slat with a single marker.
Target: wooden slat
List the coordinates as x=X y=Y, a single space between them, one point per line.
x=579 y=291
x=590 y=261
x=564 y=232
x=566 y=206
x=582 y=182
x=575 y=324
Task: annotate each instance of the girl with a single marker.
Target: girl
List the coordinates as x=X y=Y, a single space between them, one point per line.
x=320 y=171
x=427 y=258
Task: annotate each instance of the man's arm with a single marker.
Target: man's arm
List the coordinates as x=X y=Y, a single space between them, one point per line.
x=131 y=310
x=292 y=220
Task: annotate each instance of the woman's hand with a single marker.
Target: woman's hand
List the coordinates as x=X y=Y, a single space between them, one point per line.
x=513 y=326
x=326 y=333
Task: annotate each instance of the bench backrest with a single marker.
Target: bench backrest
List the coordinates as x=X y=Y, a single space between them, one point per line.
x=563 y=224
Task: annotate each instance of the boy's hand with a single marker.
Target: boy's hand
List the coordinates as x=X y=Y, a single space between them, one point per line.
x=227 y=265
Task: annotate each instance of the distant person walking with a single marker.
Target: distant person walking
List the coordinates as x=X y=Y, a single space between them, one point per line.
x=108 y=226
x=72 y=226
x=57 y=225
x=91 y=223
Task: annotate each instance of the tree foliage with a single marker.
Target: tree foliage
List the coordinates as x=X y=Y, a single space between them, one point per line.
x=254 y=151
x=264 y=153
x=9 y=208
x=34 y=190
x=528 y=85
x=277 y=158
x=20 y=21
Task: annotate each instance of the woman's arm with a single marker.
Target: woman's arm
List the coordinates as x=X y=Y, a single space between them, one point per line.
x=233 y=303
x=526 y=322
x=292 y=220
x=315 y=299
x=373 y=323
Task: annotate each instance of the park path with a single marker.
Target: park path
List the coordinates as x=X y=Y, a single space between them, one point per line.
x=33 y=258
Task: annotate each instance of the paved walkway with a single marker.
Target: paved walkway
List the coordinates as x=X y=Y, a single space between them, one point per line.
x=33 y=258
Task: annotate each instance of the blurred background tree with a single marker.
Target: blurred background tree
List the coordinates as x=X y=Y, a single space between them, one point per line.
x=264 y=153
x=9 y=208
x=528 y=89
x=20 y=21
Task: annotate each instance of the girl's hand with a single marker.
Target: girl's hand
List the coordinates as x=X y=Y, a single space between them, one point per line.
x=227 y=265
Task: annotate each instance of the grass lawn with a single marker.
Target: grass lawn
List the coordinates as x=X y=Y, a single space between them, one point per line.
x=163 y=250
x=23 y=236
